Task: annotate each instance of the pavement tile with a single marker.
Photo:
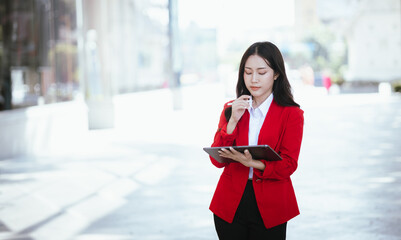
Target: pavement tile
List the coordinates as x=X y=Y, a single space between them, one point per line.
x=95 y=207
x=26 y=212
x=63 y=226
x=119 y=188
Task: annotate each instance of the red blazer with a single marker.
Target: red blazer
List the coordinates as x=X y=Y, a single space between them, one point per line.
x=282 y=130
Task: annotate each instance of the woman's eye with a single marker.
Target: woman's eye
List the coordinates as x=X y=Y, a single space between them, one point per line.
x=262 y=73
x=248 y=73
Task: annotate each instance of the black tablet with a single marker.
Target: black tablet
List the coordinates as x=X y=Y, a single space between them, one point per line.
x=258 y=152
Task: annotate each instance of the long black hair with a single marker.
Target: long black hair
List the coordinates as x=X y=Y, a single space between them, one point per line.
x=281 y=86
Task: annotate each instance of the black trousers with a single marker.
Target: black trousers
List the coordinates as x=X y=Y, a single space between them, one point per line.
x=248 y=223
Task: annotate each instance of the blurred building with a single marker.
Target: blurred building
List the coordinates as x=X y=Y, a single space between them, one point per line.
x=79 y=54
x=355 y=41
x=50 y=50
x=372 y=32
x=199 y=54
x=305 y=17
x=374 y=41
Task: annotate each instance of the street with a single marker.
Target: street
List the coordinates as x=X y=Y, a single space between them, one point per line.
x=148 y=178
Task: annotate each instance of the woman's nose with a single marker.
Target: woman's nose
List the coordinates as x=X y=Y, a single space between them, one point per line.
x=254 y=78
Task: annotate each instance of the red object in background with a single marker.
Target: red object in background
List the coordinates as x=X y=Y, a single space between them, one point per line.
x=327 y=82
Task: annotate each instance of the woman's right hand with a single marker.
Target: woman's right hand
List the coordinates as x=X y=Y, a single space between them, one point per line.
x=238 y=109
x=239 y=106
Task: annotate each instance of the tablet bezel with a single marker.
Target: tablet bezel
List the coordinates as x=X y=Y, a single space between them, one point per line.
x=258 y=152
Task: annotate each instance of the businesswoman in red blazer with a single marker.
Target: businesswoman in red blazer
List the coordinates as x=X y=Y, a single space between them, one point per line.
x=254 y=199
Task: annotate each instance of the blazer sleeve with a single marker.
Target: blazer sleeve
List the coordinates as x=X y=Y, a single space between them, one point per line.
x=222 y=138
x=289 y=148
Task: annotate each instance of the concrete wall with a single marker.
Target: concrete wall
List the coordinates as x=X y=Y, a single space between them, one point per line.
x=375 y=42
x=41 y=130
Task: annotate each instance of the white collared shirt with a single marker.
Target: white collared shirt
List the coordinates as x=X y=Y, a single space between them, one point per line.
x=256 y=118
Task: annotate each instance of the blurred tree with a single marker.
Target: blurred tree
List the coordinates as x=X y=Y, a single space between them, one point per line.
x=5 y=40
x=329 y=52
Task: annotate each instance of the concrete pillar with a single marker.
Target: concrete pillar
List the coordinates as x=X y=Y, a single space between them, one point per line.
x=174 y=55
x=98 y=87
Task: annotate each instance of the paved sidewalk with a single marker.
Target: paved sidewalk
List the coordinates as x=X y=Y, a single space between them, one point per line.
x=149 y=179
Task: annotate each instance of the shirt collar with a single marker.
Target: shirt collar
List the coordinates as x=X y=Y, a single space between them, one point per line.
x=264 y=107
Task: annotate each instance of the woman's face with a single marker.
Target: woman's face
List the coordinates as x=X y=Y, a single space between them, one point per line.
x=259 y=78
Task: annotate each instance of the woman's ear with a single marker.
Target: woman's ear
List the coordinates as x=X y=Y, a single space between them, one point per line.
x=276 y=75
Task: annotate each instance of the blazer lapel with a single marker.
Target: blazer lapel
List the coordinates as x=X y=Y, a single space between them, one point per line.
x=270 y=131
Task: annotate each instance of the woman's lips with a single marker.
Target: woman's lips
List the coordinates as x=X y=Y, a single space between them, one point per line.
x=255 y=88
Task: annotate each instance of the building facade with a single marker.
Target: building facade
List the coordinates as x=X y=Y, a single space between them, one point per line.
x=59 y=50
x=374 y=42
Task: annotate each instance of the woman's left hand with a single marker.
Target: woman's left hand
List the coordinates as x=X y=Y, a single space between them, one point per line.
x=244 y=158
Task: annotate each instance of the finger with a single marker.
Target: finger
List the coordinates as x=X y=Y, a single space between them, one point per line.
x=226 y=154
x=241 y=106
x=247 y=153
x=246 y=100
x=224 y=151
x=236 y=154
x=229 y=151
x=233 y=151
x=244 y=97
x=222 y=154
x=240 y=102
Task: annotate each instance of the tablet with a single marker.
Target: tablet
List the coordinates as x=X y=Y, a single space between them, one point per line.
x=258 y=152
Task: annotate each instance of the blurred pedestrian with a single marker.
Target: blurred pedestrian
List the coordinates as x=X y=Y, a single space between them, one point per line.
x=254 y=199
x=326 y=81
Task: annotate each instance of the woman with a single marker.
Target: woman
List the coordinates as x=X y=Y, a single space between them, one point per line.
x=254 y=199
